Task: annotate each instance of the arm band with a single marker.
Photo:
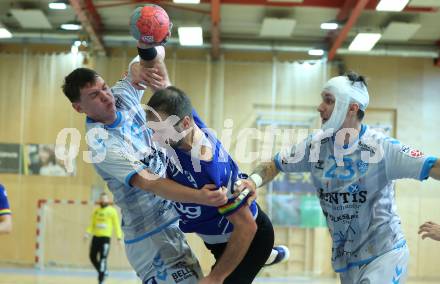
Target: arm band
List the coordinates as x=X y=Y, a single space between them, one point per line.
x=256 y=179
x=147 y=54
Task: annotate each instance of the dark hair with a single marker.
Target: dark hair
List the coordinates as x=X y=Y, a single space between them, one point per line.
x=171 y=101
x=77 y=80
x=354 y=77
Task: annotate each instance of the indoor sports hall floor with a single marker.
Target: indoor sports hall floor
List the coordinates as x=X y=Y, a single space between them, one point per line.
x=59 y=276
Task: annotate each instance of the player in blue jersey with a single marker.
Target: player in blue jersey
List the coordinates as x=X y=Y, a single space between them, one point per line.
x=133 y=166
x=240 y=236
x=353 y=168
x=5 y=212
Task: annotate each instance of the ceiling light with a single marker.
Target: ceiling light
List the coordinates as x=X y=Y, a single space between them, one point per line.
x=329 y=26
x=316 y=52
x=186 y=1
x=4 y=32
x=58 y=5
x=364 y=41
x=392 y=5
x=190 y=36
x=73 y=26
x=74 y=49
x=277 y=27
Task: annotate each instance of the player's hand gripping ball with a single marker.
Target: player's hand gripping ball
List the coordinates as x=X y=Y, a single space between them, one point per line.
x=150 y=24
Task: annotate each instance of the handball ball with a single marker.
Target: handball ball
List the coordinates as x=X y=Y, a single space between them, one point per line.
x=150 y=24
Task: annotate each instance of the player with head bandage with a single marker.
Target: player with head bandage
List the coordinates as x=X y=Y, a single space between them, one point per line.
x=353 y=168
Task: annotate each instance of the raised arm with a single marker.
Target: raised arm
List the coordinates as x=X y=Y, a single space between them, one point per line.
x=263 y=174
x=151 y=69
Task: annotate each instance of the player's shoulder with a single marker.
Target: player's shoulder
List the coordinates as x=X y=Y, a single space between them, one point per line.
x=371 y=135
x=2 y=190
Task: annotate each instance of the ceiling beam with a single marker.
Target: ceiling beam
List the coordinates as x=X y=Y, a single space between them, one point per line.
x=215 y=29
x=162 y=3
x=308 y=3
x=344 y=12
x=91 y=22
x=340 y=38
x=335 y=4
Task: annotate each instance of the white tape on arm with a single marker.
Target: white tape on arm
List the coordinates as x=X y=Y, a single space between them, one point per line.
x=256 y=178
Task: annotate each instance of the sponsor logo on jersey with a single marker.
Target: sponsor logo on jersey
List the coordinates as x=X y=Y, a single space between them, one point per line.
x=118 y=102
x=164 y=207
x=366 y=147
x=342 y=197
x=319 y=165
x=182 y=274
x=345 y=218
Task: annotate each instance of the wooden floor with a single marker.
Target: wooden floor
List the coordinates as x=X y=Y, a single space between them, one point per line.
x=51 y=276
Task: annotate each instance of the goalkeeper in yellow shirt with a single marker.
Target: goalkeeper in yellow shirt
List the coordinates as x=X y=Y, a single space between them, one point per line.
x=104 y=221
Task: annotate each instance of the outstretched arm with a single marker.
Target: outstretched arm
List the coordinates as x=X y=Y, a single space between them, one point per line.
x=430 y=230
x=263 y=173
x=172 y=190
x=435 y=170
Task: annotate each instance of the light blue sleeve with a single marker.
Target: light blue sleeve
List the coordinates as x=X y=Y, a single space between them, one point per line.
x=120 y=164
x=403 y=161
x=295 y=158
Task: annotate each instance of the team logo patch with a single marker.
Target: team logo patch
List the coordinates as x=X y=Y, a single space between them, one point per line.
x=413 y=153
x=148 y=38
x=159 y=266
x=353 y=188
x=362 y=167
x=416 y=154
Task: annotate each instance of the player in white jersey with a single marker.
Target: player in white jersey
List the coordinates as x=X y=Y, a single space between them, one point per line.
x=133 y=167
x=353 y=168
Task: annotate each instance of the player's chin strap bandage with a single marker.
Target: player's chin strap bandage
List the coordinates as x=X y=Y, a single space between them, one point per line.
x=234 y=204
x=345 y=92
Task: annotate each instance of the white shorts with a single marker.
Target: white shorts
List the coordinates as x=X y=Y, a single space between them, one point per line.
x=391 y=267
x=164 y=257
